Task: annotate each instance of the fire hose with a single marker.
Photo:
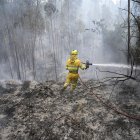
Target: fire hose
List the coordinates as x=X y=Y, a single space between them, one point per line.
x=110 y=106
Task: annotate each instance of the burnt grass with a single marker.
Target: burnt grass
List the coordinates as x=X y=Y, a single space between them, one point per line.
x=42 y=112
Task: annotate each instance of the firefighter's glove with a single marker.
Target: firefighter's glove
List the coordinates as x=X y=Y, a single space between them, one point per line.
x=87 y=66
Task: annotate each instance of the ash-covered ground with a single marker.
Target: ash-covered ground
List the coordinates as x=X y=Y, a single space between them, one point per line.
x=39 y=111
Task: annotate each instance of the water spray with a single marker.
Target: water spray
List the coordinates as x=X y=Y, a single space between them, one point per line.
x=113 y=65
x=124 y=66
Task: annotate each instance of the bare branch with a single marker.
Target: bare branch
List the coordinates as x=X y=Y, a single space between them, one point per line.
x=127 y=76
x=133 y=17
x=136 y=1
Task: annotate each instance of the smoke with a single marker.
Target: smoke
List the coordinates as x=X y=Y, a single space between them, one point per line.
x=43 y=42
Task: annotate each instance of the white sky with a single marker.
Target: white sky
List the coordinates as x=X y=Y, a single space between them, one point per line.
x=116 y=1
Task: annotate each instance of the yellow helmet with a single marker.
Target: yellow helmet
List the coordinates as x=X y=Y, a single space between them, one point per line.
x=74 y=52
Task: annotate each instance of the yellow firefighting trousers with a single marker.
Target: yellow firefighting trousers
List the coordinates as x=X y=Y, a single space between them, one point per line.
x=71 y=79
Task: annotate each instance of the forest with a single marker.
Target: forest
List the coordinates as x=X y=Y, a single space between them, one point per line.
x=37 y=38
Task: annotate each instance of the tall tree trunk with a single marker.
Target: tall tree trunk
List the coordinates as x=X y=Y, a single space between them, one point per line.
x=54 y=56
x=128 y=55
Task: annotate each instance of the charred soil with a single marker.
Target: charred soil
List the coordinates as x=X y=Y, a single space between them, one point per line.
x=39 y=111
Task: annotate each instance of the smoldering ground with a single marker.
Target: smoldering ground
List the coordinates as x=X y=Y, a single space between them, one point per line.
x=34 y=110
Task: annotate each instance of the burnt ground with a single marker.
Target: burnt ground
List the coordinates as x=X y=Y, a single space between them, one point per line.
x=39 y=111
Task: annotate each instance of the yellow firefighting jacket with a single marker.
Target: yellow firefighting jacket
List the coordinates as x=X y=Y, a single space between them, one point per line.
x=74 y=65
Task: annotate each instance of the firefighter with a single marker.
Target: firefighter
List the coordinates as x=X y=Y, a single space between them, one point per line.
x=72 y=65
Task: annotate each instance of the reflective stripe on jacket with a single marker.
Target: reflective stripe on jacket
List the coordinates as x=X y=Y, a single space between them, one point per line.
x=73 y=66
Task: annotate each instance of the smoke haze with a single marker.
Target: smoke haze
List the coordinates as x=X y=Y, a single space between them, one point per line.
x=37 y=36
